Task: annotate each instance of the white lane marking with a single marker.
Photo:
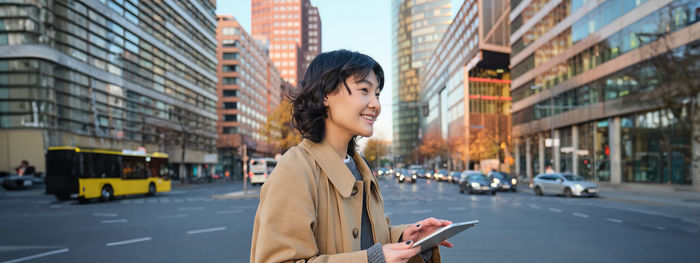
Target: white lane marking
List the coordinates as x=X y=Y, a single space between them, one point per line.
x=199 y=231
x=178 y=200
x=581 y=215
x=534 y=206
x=556 y=210
x=421 y=211
x=173 y=216
x=689 y=230
x=387 y=213
x=190 y=208
x=114 y=221
x=56 y=206
x=614 y=220
x=228 y=212
x=660 y=228
x=127 y=201
x=136 y=240
x=456 y=208
x=64 y=250
x=410 y=203
x=105 y=214
x=164 y=200
x=152 y=201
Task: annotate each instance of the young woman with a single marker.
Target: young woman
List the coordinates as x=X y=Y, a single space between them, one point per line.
x=322 y=203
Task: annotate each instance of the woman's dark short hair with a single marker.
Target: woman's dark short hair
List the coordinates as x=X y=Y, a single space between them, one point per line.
x=322 y=78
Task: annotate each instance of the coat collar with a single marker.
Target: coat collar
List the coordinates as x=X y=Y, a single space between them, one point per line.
x=335 y=169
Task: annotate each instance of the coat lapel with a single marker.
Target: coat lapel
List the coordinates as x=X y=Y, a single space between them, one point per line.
x=337 y=172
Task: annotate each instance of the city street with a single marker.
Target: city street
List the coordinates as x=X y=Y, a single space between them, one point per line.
x=188 y=225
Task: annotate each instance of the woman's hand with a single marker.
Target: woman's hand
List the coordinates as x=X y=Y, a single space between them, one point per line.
x=424 y=228
x=399 y=252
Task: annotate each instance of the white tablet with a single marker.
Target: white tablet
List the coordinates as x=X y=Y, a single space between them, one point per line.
x=443 y=234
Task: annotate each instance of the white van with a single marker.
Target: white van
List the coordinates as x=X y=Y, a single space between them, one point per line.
x=259 y=169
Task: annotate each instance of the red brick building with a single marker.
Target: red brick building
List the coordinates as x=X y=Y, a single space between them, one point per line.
x=293 y=29
x=248 y=87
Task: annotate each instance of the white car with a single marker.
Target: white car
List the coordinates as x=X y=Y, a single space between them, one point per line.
x=564 y=184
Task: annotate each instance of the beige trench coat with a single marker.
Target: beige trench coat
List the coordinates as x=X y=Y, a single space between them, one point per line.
x=311 y=210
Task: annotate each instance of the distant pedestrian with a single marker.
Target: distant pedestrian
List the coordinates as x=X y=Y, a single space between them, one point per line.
x=322 y=202
x=22 y=168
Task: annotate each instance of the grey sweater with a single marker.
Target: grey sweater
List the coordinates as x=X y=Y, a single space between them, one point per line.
x=374 y=251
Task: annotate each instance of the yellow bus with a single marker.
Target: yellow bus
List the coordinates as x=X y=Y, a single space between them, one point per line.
x=82 y=173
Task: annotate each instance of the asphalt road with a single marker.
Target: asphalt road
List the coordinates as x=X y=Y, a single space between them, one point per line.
x=188 y=225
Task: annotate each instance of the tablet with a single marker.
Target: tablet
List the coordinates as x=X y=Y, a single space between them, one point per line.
x=443 y=234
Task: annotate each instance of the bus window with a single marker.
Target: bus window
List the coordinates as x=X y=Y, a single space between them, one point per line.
x=102 y=165
x=134 y=167
x=62 y=164
x=159 y=168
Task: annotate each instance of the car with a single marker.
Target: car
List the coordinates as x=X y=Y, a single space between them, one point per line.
x=382 y=172
x=475 y=182
x=440 y=175
x=565 y=184
x=403 y=176
x=421 y=173
x=453 y=177
x=503 y=181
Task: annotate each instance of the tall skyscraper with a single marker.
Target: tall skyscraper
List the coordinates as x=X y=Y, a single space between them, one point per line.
x=108 y=74
x=417 y=28
x=465 y=85
x=591 y=86
x=249 y=89
x=293 y=29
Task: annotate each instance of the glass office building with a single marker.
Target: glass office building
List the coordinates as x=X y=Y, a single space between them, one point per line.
x=588 y=75
x=465 y=84
x=417 y=28
x=117 y=74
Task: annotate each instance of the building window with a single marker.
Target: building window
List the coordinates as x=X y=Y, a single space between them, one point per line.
x=230 y=93
x=230 y=55
x=230 y=68
x=230 y=130
x=230 y=105
x=230 y=81
x=230 y=117
x=230 y=43
x=230 y=31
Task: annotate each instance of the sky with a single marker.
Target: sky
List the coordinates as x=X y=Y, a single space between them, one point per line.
x=358 y=25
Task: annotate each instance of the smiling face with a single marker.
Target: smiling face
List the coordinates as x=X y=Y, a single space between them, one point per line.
x=353 y=113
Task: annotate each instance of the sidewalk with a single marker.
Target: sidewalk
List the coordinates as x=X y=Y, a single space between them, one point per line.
x=675 y=195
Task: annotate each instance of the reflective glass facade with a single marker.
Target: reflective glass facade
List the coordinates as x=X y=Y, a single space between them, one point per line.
x=594 y=80
x=465 y=85
x=417 y=28
x=110 y=74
